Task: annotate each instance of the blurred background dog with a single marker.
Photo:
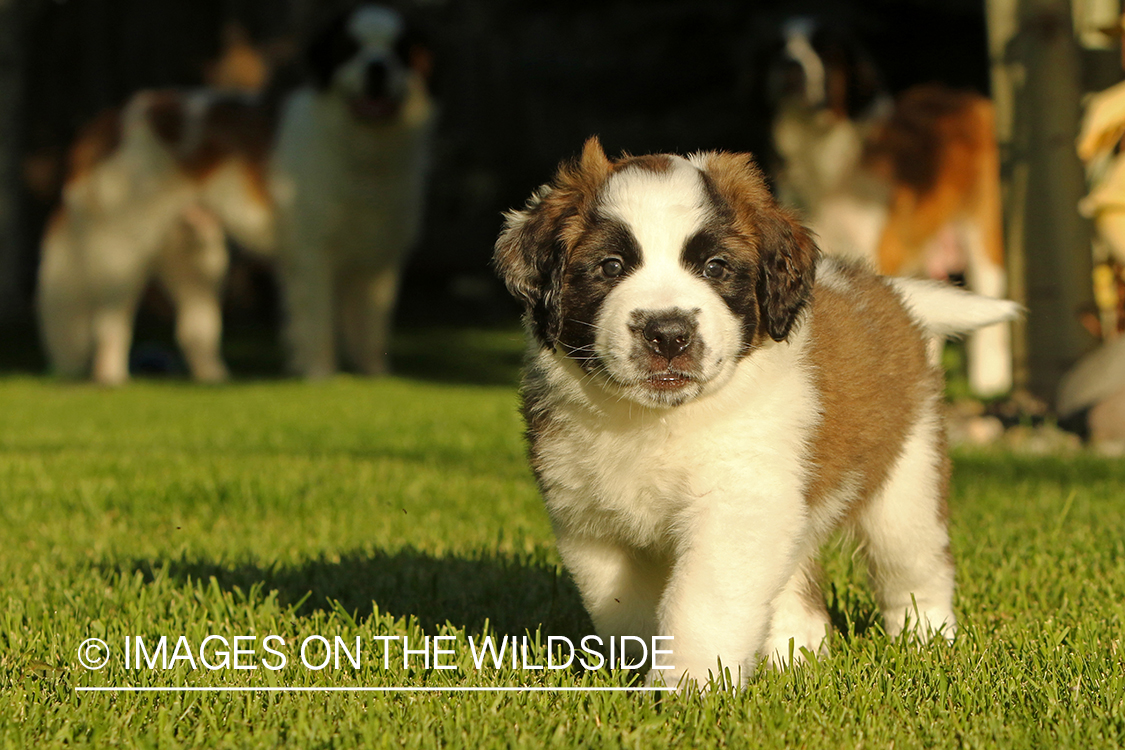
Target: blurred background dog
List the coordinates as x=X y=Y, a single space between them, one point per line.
x=348 y=177
x=151 y=192
x=154 y=191
x=910 y=185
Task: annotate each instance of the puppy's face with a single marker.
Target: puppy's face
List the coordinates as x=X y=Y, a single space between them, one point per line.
x=367 y=57
x=656 y=274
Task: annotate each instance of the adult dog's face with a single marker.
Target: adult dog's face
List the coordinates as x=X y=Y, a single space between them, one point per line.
x=367 y=57
x=656 y=274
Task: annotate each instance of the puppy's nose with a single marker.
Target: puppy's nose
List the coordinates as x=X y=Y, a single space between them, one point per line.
x=668 y=335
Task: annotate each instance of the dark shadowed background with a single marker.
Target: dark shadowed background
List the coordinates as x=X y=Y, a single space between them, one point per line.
x=521 y=85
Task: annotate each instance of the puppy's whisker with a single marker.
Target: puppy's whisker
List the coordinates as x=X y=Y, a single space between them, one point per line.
x=595 y=326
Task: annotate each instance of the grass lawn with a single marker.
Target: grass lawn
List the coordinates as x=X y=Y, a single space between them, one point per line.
x=404 y=507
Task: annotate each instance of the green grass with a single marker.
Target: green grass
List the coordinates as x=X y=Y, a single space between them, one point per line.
x=404 y=507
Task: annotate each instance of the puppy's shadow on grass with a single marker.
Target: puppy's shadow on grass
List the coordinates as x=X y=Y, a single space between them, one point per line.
x=851 y=617
x=513 y=594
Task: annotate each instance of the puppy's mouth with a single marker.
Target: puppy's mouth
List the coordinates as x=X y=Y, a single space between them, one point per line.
x=669 y=381
x=662 y=388
x=374 y=109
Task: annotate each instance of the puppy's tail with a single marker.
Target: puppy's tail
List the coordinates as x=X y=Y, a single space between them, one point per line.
x=946 y=311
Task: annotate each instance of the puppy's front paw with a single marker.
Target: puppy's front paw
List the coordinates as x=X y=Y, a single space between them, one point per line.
x=663 y=678
x=781 y=652
x=682 y=680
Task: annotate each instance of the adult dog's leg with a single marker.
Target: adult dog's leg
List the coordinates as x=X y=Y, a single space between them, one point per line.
x=309 y=296
x=62 y=302
x=113 y=315
x=367 y=302
x=989 y=350
x=192 y=267
x=119 y=266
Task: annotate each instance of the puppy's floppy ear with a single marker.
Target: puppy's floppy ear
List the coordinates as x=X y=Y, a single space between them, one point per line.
x=787 y=270
x=786 y=252
x=529 y=258
x=532 y=248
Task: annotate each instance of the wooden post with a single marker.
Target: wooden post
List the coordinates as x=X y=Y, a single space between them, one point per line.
x=1036 y=87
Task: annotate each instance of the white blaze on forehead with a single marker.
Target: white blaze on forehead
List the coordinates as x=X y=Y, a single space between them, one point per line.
x=373 y=26
x=661 y=209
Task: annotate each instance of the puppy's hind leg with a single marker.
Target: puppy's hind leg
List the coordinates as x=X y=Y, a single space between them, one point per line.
x=904 y=536
x=192 y=267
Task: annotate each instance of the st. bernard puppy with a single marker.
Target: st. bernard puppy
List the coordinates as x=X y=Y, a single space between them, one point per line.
x=348 y=177
x=707 y=399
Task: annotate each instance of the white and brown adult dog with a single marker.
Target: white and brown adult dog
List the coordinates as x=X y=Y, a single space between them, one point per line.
x=912 y=188
x=154 y=190
x=707 y=400
x=151 y=192
x=348 y=177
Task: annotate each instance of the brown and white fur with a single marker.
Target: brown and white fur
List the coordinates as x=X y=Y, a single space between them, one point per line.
x=151 y=192
x=348 y=178
x=913 y=188
x=707 y=399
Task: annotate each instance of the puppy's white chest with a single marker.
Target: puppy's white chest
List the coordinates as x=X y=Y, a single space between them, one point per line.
x=642 y=477
x=631 y=484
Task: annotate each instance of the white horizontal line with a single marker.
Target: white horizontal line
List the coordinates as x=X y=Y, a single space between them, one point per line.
x=266 y=688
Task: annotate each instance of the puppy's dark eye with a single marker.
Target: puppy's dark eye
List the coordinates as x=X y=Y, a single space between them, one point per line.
x=612 y=267
x=716 y=268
